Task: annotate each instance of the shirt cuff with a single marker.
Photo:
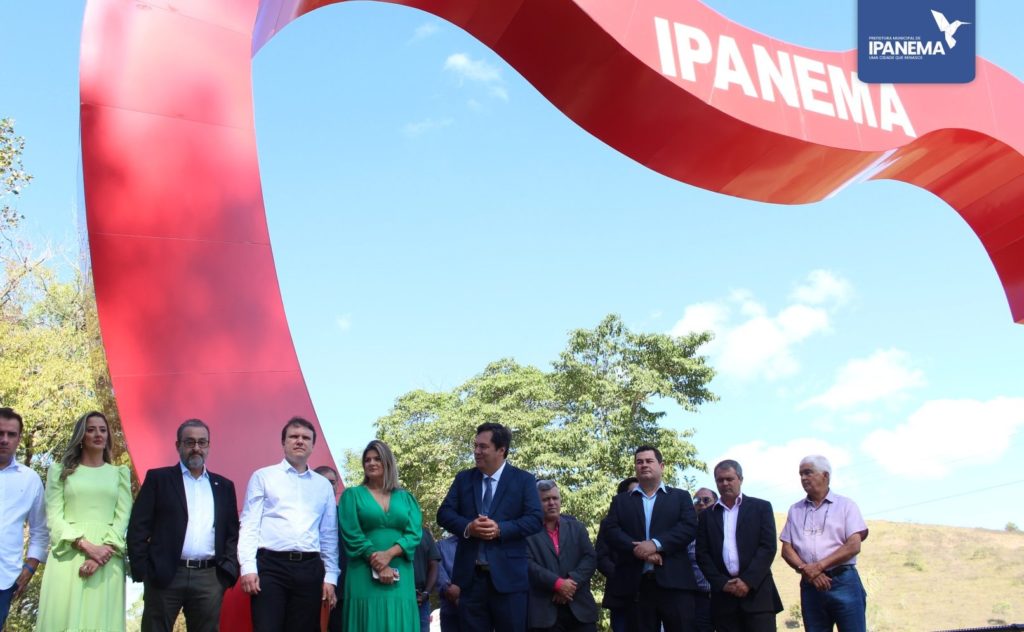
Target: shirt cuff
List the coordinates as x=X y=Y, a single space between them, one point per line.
x=248 y=568
x=656 y=544
x=331 y=578
x=558 y=583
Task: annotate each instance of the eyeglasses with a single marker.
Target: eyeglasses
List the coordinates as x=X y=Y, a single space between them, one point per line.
x=816 y=530
x=191 y=443
x=703 y=500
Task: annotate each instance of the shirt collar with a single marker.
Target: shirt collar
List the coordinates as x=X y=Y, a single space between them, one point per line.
x=185 y=471
x=638 y=490
x=14 y=465
x=287 y=467
x=829 y=498
x=739 y=501
x=497 y=472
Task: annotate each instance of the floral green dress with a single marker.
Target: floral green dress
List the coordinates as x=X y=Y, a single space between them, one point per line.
x=370 y=606
x=94 y=503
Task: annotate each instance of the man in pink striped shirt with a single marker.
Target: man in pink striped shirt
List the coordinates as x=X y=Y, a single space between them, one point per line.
x=820 y=541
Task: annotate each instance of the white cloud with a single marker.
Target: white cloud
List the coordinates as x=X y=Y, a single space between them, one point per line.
x=423 y=31
x=947 y=434
x=883 y=374
x=474 y=70
x=419 y=128
x=760 y=345
x=774 y=467
x=479 y=71
x=344 y=322
x=823 y=286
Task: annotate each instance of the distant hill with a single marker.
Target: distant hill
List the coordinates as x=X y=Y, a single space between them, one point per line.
x=926 y=577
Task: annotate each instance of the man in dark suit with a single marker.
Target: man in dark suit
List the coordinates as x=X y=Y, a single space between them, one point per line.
x=183 y=537
x=650 y=529
x=493 y=507
x=735 y=549
x=562 y=561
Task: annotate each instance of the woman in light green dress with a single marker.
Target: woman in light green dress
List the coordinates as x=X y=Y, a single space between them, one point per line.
x=88 y=502
x=381 y=525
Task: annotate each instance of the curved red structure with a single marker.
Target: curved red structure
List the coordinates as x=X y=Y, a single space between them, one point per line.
x=188 y=299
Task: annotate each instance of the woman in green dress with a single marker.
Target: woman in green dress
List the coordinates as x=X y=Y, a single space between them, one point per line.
x=88 y=501
x=381 y=525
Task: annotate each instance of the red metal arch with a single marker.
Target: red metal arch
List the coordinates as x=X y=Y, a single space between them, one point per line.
x=188 y=299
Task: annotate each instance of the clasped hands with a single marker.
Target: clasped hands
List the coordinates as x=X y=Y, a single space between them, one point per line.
x=815 y=575
x=483 y=528
x=648 y=552
x=565 y=592
x=96 y=556
x=380 y=561
x=736 y=587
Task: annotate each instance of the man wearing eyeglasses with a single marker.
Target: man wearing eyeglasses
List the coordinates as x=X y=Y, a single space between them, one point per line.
x=820 y=541
x=702 y=500
x=735 y=549
x=183 y=537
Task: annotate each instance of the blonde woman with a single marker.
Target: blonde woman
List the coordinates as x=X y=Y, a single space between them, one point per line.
x=381 y=524
x=88 y=501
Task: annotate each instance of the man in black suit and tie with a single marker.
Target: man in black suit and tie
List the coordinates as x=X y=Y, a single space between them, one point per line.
x=562 y=561
x=735 y=549
x=183 y=537
x=651 y=528
x=493 y=507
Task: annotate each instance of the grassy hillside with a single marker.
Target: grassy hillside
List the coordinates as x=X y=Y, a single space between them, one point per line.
x=924 y=577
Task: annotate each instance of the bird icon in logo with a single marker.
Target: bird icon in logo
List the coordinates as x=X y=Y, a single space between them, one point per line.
x=947 y=28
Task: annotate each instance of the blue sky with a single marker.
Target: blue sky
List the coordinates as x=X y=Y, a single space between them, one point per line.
x=431 y=212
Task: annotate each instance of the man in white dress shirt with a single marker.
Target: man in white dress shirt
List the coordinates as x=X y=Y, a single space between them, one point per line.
x=183 y=537
x=288 y=544
x=21 y=500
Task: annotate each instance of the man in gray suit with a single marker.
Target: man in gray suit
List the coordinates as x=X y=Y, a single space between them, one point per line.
x=562 y=561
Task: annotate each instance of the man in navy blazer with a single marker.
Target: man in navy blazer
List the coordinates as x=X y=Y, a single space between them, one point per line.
x=183 y=537
x=735 y=549
x=493 y=508
x=650 y=528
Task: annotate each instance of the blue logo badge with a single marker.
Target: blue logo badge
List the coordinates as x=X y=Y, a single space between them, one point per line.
x=915 y=41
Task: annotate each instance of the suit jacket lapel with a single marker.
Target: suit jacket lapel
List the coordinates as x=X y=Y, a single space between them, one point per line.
x=499 y=489
x=476 y=482
x=178 y=483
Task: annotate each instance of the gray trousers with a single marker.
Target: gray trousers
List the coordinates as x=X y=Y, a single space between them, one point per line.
x=196 y=591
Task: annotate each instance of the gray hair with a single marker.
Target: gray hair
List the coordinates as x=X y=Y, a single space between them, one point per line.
x=729 y=464
x=819 y=462
x=546 y=485
x=192 y=423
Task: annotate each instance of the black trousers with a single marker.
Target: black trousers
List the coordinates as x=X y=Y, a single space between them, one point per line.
x=290 y=594
x=740 y=621
x=197 y=591
x=567 y=622
x=657 y=606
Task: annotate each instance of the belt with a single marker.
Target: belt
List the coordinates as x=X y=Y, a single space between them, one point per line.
x=839 y=570
x=197 y=563
x=291 y=556
x=483 y=568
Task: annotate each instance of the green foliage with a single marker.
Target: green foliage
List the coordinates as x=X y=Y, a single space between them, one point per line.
x=577 y=424
x=13 y=177
x=1011 y=527
x=52 y=367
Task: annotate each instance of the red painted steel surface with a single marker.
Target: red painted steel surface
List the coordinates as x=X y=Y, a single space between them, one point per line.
x=189 y=304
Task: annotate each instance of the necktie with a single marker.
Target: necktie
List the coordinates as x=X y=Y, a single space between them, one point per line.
x=485 y=506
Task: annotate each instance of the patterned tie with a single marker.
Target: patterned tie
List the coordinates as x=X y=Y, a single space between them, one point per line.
x=485 y=506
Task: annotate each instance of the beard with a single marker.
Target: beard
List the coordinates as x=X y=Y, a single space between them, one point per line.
x=195 y=461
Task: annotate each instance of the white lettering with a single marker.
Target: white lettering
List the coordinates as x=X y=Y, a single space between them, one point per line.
x=892 y=112
x=854 y=95
x=730 y=68
x=809 y=85
x=780 y=76
x=665 y=52
x=688 y=55
x=905 y=48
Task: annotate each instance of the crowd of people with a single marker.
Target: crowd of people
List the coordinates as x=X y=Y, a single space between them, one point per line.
x=366 y=562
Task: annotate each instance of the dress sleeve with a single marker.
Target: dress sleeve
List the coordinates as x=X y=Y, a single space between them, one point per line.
x=62 y=533
x=122 y=510
x=357 y=545
x=413 y=531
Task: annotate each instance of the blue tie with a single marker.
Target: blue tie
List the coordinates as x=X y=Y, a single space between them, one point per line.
x=485 y=506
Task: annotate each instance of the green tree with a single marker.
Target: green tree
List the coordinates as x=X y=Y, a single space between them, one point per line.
x=577 y=423
x=52 y=367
